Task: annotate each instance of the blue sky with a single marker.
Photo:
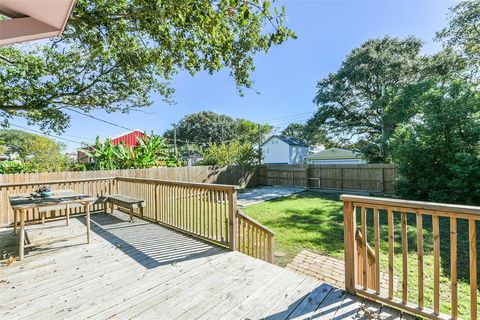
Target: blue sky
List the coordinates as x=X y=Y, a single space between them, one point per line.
x=286 y=76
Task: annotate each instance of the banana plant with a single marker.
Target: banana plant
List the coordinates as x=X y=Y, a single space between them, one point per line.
x=103 y=154
x=151 y=151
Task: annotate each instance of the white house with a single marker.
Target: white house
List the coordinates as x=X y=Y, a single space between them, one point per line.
x=280 y=149
x=335 y=156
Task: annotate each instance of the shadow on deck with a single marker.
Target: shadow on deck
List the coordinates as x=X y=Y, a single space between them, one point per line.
x=148 y=244
x=141 y=270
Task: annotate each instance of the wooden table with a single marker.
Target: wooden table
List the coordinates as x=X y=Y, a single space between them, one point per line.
x=22 y=202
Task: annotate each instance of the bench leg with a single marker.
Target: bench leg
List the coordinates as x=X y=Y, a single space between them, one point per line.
x=141 y=212
x=15 y=221
x=131 y=214
x=111 y=208
x=67 y=209
x=21 y=246
x=87 y=209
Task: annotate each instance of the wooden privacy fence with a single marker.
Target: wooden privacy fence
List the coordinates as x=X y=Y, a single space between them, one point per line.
x=376 y=178
x=417 y=221
x=204 y=210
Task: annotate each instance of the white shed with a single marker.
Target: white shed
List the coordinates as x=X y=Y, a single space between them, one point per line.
x=335 y=156
x=280 y=149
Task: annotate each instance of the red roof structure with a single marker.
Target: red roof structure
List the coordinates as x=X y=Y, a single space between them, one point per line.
x=129 y=138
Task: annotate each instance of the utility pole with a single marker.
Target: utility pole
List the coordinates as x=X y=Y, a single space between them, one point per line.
x=382 y=101
x=189 y=154
x=259 y=146
x=174 y=137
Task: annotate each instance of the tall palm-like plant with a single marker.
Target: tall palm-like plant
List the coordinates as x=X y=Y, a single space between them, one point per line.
x=103 y=154
x=151 y=151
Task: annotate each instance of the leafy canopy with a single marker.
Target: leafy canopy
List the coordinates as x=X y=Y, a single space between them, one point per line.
x=354 y=101
x=46 y=155
x=16 y=141
x=462 y=34
x=207 y=127
x=437 y=152
x=36 y=153
x=114 y=54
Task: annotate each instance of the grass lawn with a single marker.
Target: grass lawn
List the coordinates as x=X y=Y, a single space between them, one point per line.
x=314 y=221
x=307 y=220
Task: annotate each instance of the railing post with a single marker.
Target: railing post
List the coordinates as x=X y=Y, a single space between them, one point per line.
x=232 y=216
x=271 y=248
x=157 y=202
x=349 y=243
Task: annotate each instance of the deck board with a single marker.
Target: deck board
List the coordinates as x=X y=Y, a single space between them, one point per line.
x=141 y=270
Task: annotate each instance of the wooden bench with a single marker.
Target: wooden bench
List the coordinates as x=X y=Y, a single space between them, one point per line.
x=127 y=203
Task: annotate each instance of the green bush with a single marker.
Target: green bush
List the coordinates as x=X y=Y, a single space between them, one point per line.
x=12 y=167
x=233 y=153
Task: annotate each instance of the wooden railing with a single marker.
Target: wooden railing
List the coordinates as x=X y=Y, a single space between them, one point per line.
x=443 y=218
x=205 y=210
x=372 y=280
x=201 y=209
x=254 y=239
x=208 y=211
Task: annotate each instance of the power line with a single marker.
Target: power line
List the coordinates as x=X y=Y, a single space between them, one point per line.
x=290 y=116
x=98 y=119
x=190 y=142
x=45 y=134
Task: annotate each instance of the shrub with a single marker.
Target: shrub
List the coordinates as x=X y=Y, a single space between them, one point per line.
x=12 y=167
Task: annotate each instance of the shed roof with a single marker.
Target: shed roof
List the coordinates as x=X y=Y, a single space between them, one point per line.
x=334 y=154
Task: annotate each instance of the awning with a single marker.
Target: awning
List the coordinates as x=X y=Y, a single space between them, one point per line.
x=33 y=19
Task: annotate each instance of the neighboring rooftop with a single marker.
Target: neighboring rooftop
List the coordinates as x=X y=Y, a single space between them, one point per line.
x=289 y=141
x=334 y=153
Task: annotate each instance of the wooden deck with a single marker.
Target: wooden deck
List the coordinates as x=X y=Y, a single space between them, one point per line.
x=144 y=271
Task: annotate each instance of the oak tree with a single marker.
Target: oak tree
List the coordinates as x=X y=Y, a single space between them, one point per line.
x=114 y=54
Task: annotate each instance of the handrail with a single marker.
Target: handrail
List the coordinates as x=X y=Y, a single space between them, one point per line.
x=171 y=182
x=255 y=222
x=408 y=204
x=253 y=238
x=360 y=284
x=181 y=183
x=34 y=183
x=202 y=210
